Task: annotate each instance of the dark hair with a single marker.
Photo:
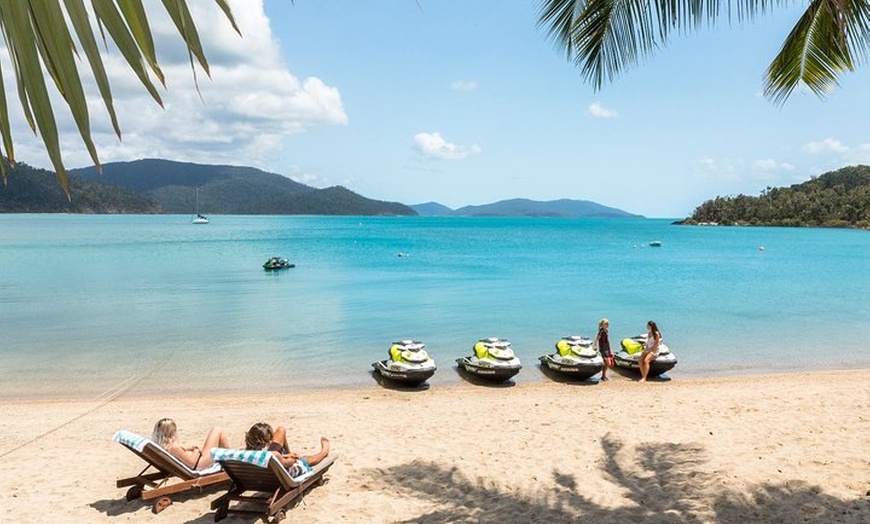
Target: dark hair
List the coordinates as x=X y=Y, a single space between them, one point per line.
x=655 y=328
x=259 y=436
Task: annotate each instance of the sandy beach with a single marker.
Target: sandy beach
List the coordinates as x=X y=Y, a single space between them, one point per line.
x=772 y=448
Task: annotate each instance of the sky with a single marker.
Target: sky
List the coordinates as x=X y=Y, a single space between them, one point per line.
x=467 y=103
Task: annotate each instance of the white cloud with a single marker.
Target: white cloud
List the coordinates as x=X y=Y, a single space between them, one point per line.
x=433 y=145
x=769 y=164
x=828 y=145
x=241 y=115
x=598 y=111
x=464 y=85
x=860 y=154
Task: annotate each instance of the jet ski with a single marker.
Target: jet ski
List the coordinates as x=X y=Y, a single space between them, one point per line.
x=629 y=355
x=491 y=359
x=409 y=363
x=575 y=356
x=276 y=263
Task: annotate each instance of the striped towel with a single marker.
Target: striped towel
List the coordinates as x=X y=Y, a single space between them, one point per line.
x=256 y=457
x=299 y=471
x=130 y=439
x=134 y=441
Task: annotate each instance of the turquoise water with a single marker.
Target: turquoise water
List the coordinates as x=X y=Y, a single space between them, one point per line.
x=93 y=304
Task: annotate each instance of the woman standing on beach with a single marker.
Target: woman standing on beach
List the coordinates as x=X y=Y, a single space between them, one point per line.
x=261 y=436
x=165 y=435
x=602 y=344
x=650 y=348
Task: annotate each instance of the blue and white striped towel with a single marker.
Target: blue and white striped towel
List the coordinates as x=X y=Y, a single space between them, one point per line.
x=299 y=471
x=130 y=439
x=257 y=457
x=134 y=441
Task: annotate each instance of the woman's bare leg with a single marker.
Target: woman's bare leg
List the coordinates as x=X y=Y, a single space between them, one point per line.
x=319 y=456
x=216 y=438
x=644 y=365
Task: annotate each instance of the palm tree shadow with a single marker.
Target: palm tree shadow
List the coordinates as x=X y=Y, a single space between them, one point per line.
x=660 y=482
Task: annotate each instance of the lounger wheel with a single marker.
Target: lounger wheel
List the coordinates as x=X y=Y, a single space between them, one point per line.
x=134 y=493
x=220 y=514
x=161 y=504
x=279 y=516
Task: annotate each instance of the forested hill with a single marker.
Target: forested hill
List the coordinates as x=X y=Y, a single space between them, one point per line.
x=32 y=190
x=835 y=199
x=232 y=190
x=163 y=186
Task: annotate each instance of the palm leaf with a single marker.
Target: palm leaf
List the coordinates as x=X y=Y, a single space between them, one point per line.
x=56 y=49
x=111 y=19
x=815 y=53
x=81 y=23
x=134 y=16
x=21 y=40
x=5 y=131
x=604 y=37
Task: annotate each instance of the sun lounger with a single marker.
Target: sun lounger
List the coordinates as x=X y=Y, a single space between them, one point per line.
x=171 y=475
x=261 y=472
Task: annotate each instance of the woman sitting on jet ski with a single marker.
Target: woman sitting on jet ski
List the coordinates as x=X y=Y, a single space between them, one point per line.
x=650 y=349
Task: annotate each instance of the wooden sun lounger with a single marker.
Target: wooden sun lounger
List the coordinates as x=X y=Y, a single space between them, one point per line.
x=272 y=487
x=170 y=475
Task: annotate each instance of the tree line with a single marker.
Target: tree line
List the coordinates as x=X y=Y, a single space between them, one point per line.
x=836 y=199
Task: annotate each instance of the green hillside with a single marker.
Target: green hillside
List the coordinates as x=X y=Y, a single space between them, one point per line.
x=835 y=199
x=32 y=190
x=164 y=186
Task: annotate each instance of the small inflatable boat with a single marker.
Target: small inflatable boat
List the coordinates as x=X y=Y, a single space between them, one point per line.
x=575 y=357
x=409 y=363
x=629 y=355
x=491 y=359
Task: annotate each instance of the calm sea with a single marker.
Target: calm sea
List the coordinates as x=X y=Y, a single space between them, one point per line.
x=90 y=305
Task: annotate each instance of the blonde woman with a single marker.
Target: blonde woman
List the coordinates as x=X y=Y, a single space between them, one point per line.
x=165 y=435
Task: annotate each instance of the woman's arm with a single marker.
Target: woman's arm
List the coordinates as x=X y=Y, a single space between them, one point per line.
x=189 y=455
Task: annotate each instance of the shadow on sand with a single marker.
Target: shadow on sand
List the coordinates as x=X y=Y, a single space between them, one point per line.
x=387 y=383
x=662 y=483
x=120 y=506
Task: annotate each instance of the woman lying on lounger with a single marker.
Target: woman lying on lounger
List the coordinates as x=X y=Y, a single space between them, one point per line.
x=166 y=435
x=261 y=436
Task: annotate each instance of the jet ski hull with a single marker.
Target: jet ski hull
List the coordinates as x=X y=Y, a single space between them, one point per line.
x=494 y=373
x=580 y=370
x=659 y=365
x=411 y=376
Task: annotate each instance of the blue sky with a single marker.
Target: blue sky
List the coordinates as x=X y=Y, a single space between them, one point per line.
x=469 y=103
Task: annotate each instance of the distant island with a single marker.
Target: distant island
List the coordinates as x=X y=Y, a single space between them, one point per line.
x=155 y=186
x=838 y=198
x=521 y=207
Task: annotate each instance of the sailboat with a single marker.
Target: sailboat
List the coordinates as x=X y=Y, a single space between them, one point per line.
x=197 y=217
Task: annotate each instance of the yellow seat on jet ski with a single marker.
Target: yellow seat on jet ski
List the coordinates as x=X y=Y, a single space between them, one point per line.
x=632 y=346
x=480 y=350
x=564 y=347
x=396 y=353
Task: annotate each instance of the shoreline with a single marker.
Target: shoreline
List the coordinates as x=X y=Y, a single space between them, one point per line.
x=772 y=448
x=147 y=386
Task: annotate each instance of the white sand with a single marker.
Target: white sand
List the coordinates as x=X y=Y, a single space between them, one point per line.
x=774 y=448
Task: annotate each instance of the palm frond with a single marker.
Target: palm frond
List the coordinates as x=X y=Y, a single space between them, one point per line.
x=816 y=52
x=604 y=37
x=37 y=34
